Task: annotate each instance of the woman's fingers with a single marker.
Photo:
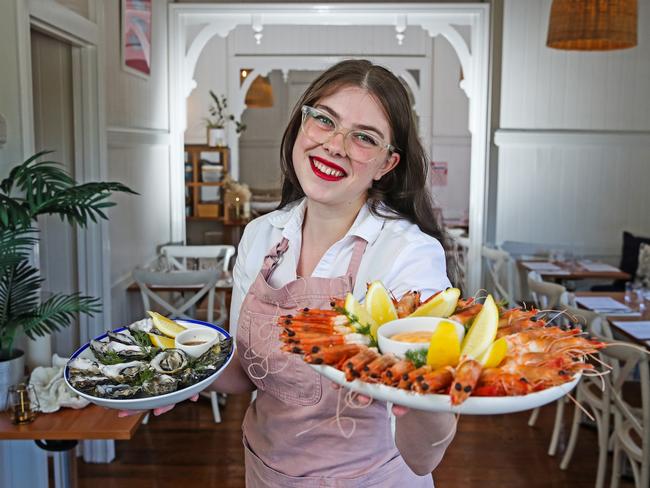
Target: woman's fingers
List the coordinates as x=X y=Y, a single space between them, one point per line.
x=128 y=413
x=399 y=410
x=161 y=410
x=156 y=411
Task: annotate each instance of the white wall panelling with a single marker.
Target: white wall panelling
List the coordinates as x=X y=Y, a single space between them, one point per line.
x=574 y=138
x=187 y=41
x=577 y=190
x=547 y=88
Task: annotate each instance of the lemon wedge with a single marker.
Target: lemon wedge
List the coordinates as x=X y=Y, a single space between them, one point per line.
x=165 y=325
x=444 y=347
x=162 y=341
x=483 y=331
x=494 y=354
x=360 y=315
x=379 y=304
x=441 y=305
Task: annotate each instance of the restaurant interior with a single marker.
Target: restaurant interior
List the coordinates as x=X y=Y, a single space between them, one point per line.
x=535 y=117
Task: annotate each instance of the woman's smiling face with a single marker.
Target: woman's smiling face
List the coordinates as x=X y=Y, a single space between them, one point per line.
x=325 y=171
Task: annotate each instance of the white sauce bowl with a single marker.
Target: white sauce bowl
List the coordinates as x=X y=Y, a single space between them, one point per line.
x=410 y=324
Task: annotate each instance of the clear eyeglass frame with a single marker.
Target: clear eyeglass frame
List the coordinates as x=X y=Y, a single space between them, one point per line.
x=350 y=149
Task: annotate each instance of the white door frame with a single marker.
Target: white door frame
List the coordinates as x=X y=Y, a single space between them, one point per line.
x=57 y=21
x=436 y=19
x=93 y=245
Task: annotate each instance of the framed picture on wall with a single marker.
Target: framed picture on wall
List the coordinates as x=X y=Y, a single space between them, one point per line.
x=136 y=36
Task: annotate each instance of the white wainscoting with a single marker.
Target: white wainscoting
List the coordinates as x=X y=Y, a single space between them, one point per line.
x=545 y=88
x=578 y=189
x=138 y=223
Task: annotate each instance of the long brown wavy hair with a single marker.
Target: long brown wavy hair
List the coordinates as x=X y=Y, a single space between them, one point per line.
x=402 y=190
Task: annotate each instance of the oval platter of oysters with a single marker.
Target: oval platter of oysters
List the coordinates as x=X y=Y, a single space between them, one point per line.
x=146 y=365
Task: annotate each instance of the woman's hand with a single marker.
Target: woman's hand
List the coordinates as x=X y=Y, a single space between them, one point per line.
x=156 y=411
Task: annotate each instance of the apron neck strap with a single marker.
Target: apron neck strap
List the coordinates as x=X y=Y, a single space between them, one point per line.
x=272 y=259
x=355 y=260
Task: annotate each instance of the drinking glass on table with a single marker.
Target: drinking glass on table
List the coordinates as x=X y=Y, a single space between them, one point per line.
x=629 y=292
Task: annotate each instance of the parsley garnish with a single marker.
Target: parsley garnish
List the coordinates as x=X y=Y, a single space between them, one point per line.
x=417 y=356
x=358 y=326
x=142 y=338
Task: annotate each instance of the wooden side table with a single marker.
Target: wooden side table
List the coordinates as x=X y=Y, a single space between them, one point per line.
x=60 y=431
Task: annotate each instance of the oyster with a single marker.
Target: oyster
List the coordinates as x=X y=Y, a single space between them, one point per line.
x=123 y=372
x=85 y=382
x=160 y=384
x=83 y=366
x=105 y=351
x=215 y=356
x=170 y=361
x=124 y=337
x=117 y=391
x=144 y=325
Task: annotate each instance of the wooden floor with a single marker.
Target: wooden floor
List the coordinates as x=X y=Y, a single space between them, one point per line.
x=185 y=448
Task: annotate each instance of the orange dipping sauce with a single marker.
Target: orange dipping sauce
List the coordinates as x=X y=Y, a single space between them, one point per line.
x=415 y=337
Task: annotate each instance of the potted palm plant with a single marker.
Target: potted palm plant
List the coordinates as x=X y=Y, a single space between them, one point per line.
x=36 y=188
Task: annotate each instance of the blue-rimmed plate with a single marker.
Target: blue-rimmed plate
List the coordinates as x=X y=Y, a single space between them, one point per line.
x=147 y=403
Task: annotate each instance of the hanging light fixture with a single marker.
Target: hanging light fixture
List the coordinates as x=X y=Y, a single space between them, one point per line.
x=260 y=93
x=592 y=25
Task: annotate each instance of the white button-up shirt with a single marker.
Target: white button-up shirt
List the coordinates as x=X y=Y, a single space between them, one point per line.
x=398 y=254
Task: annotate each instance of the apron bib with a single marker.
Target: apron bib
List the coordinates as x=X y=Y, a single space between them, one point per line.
x=288 y=439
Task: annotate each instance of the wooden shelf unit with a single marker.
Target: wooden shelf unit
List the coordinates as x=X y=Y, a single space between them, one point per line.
x=194 y=155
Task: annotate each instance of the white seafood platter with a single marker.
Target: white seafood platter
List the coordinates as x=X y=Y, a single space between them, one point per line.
x=433 y=402
x=150 y=402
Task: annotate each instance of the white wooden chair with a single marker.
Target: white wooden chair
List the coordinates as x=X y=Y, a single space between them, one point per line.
x=215 y=257
x=206 y=279
x=548 y=296
x=590 y=395
x=498 y=264
x=631 y=426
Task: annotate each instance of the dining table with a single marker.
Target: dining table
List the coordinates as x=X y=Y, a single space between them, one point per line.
x=60 y=432
x=559 y=271
x=631 y=326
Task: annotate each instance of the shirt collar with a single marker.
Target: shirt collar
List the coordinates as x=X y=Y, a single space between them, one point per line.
x=366 y=225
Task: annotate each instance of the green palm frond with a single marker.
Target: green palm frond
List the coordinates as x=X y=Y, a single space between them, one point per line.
x=36 y=188
x=58 y=312
x=15 y=245
x=46 y=188
x=14 y=213
x=20 y=287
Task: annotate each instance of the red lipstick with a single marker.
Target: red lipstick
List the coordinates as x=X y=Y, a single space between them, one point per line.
x=324 y=162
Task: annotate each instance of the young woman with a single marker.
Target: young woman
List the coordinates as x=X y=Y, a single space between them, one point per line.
x=354 y=209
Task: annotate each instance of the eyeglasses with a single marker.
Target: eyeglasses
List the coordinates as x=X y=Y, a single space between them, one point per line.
x=361 y=146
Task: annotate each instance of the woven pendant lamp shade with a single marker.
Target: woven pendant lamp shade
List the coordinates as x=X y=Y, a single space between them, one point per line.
x=592 y=25
x=260 y=93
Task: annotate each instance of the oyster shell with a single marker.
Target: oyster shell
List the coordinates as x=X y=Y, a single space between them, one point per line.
x=83 y=366
x=117 y=391
x=124 y=337
x=144 y=325
x=170 y=361
x=215 y=356
x=123 y=372
x=85 y=382
x=160 y=384
x=104 y=350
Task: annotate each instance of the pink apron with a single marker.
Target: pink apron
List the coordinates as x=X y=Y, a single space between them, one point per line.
x=292 y=398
